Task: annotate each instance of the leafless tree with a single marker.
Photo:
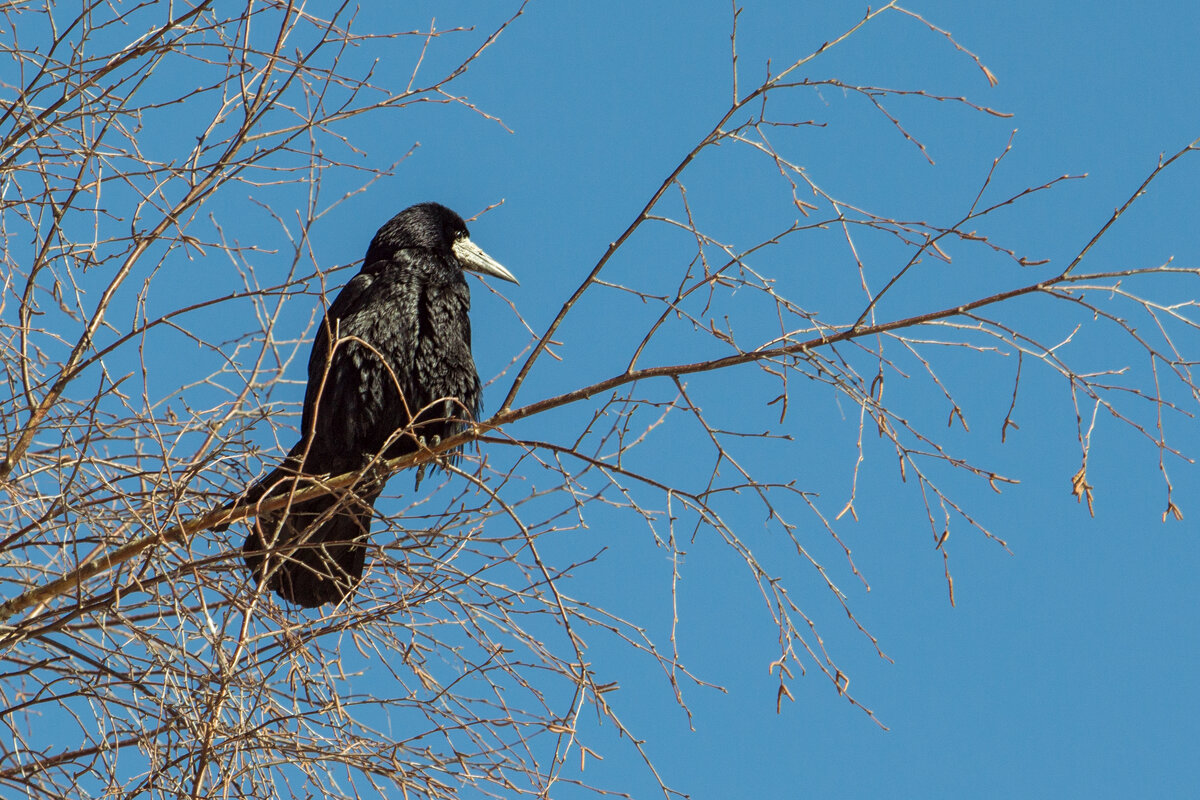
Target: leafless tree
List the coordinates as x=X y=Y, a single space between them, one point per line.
x=137 y=660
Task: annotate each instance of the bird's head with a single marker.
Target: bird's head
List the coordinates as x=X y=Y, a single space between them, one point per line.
x=431 y=226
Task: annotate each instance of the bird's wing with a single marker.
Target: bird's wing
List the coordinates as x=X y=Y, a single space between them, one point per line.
x=347 y=301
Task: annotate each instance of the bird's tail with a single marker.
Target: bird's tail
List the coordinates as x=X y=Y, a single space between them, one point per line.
x=313 y=552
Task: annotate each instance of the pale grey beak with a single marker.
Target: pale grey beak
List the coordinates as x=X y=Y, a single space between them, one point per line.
x=473 y=258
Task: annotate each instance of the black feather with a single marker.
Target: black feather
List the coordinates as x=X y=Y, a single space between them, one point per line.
x=391 y=365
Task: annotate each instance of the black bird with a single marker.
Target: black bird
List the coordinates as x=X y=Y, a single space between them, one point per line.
x=391 y=369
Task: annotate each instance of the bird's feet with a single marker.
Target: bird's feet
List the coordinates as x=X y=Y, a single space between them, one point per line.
x=375 y=474
x=433 y=441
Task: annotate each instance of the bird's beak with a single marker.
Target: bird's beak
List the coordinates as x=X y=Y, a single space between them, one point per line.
x=472 y=257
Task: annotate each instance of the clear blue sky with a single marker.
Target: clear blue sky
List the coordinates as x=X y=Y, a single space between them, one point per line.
x=1068 y=666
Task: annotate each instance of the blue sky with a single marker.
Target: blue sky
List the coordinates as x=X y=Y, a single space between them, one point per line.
x=1067 y=666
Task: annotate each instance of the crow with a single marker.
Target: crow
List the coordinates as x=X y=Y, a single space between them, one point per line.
x=391 y=371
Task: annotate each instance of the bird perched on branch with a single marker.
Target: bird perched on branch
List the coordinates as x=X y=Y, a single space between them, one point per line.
x=391 y=371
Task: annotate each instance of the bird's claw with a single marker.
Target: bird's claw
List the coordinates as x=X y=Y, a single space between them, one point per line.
x=434 y=441
x=376 y=474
